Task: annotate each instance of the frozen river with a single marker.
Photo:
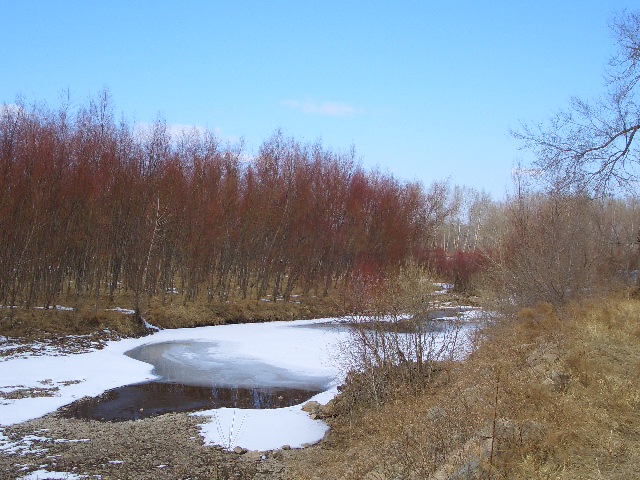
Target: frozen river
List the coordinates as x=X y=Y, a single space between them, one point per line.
x=260 y=375
x=205 y=364
x=259 y=357
x=192 y=376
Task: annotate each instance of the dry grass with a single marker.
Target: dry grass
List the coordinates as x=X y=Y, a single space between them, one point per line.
x=202 y=312
x=567 y=387
x=34 y=324
x=97 y=314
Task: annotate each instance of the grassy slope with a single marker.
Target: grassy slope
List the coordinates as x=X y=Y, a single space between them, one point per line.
x=568 y=406
x=90 y=317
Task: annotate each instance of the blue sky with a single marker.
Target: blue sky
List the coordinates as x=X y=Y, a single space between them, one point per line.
x=425 y=90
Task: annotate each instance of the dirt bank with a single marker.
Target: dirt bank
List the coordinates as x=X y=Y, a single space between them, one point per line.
x=164 y=447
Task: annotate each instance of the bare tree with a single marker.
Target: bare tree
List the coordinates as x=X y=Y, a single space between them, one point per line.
x=592 y=146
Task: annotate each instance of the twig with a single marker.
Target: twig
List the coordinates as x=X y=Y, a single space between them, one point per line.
x=493 y=430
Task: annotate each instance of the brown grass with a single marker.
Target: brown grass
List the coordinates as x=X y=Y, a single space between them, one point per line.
x=567 y=386
x=95 y=315
x=33 y=324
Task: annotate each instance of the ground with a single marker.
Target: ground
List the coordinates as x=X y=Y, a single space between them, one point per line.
x=164 y=447
x=549 y=393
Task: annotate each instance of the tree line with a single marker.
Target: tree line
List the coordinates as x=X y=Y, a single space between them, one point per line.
x=537 y=245
x=90 y=205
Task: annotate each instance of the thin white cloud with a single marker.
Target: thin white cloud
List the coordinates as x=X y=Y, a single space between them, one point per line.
x=176 y=130
x=246 y=158
x=9 y=108
x=332 y=109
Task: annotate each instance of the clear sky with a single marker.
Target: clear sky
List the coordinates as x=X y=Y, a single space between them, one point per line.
x=425 y=90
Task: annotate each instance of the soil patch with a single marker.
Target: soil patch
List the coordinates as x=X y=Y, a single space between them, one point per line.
x=164 y=447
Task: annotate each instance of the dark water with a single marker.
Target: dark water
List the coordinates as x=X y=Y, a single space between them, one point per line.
x=193 y=377
x=142 y=400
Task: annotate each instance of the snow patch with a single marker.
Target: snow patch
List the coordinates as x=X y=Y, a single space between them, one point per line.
x=148 y=326
x=125 y=311
x=261 y=429
x=444 y=288
x=56 y=307
x=29 y=445
x=49 y=475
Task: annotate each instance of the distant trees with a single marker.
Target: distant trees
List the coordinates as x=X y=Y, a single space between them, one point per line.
x=89 y=206
x=536 y=246
x=593 y=145
x=555 y=247
x=463 y=241
x=558 y=244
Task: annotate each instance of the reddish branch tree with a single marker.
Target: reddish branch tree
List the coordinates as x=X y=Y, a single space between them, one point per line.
x=89 y=206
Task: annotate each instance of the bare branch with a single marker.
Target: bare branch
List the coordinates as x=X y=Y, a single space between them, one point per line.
x=591 y=146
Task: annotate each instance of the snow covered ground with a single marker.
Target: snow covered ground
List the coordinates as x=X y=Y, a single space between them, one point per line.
x=32 y=386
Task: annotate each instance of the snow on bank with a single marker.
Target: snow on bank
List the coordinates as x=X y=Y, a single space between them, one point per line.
x=266 y=429
x=443 y=288
x=40 y=474
x=36 y=385
x=60 y=380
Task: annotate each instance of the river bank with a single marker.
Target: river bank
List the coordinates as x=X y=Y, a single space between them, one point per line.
x=54 y=442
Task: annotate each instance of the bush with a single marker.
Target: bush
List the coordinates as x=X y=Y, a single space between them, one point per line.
x=393 y=343
x=555 y=248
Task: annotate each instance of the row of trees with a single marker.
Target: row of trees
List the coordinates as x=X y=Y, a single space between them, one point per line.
x=537 y=245
x=89 y=205
x=585 y=153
